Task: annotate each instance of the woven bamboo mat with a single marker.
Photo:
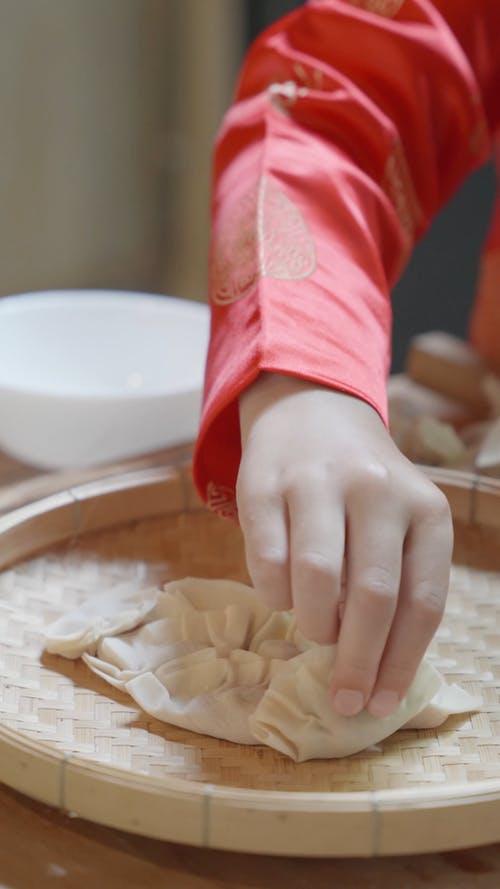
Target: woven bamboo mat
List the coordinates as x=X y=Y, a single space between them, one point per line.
x=60 y=708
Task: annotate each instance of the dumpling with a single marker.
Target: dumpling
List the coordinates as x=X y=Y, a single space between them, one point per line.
x=208 y=656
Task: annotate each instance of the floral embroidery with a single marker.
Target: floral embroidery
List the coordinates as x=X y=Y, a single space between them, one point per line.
x=478 y=137
x=221 y=500
x=265 y=236
x=398 y=185
x=387 y=8
x=304 y=79
x=310 y=77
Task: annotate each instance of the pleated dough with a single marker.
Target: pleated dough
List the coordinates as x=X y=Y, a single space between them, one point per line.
x=208 y=656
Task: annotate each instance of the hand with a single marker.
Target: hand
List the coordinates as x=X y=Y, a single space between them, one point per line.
x=322 y=488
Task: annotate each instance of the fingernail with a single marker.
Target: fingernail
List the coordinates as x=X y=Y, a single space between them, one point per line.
x=383 y=703
x=348 y=702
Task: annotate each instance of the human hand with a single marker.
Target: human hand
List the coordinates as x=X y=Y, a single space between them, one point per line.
x=321 y=488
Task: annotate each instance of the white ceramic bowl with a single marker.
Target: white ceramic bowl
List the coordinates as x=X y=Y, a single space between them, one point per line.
x=92 y=376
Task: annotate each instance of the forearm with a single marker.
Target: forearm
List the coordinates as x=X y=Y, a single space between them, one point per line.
x=320 y=189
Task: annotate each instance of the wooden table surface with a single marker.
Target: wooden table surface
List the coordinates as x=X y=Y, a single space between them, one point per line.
x=41 y=847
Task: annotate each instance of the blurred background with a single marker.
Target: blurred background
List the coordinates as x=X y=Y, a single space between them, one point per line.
x=108 y=113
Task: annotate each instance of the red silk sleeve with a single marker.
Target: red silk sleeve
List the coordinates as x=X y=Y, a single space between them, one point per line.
x=353 y=122
x=484 y=329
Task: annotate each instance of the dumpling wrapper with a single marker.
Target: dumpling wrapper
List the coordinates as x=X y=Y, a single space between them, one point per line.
x=208 y=656
x=114 y=611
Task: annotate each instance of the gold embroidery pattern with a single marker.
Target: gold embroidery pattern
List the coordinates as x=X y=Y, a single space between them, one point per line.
x=398 y=185
x=266 y=236
x=312 y=77
x=387 y=8
x=288 y=252
x=304 y=79
x=234 y=266
x=478 y=137
x=221 y=500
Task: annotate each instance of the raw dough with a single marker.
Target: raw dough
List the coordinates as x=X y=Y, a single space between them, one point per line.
x=206 y=655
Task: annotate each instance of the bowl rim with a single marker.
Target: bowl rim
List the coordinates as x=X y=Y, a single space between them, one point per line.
x=193 y=309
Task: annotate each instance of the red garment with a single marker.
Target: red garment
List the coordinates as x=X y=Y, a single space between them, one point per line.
x=354 y=122
x=484 y=328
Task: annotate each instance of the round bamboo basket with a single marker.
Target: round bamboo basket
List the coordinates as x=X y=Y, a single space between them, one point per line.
x=72 y=741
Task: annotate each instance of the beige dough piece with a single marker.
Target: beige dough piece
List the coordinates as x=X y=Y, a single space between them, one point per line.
x=488 y=456
x=119 y=609
x=435 y=443
x=207 y=656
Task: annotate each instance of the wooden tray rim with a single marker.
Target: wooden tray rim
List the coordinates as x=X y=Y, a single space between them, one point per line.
x=466 y=490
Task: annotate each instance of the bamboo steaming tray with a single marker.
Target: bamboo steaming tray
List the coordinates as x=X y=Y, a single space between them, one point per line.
x=70 y=740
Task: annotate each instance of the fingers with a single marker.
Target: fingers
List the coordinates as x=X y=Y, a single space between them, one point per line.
x=317 y=533
x=375 y=541
x=263 y=518
x=424 y=586
x=398 y=556
x=294 y=553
